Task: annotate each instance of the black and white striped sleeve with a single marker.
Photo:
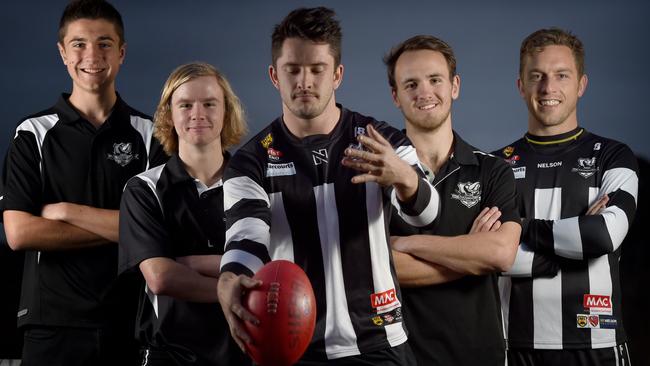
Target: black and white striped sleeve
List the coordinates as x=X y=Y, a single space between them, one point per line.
x=423 y=209
x=528 y=263
x=248 y=216
x=592 y=236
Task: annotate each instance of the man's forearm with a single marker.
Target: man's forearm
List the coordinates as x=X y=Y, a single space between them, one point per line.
x=476 y=253
x=207 y=265
x=414 y=272
x=166 y=277
x=102 y=222
x=28 y=232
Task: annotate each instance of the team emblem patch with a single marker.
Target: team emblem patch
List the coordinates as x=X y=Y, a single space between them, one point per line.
x=468 y=193
x=267 y=141
x=582 y=321
x=377 y=320
x=586 y=167
x=122 y=153
x=508 y=151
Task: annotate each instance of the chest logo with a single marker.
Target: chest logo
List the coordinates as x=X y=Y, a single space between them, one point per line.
x=468 y=193
x=586 y=167
x=508 y=151
x=319 y=156
x=122 y=153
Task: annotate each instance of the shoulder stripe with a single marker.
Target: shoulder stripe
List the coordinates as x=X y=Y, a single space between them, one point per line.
x=145 y=128
x=39 y=126
x=151 y=177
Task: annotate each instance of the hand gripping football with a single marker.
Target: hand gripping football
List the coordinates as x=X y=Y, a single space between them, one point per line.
x=286 y=308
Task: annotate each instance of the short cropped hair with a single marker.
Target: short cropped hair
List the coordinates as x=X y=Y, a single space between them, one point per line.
x=416 y=43
x=234 y=123
x=91 y=9
x=536 y=42
x=314 y=24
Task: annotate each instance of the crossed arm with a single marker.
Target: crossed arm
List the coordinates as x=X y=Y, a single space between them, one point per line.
x=61 y=226
x=192 y=278
x=531 y=262
x=490 y=246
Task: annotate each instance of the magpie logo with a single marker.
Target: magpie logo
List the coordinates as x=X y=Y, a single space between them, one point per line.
x=586 y=167
x=468 y=193
x=319 y=156
x=122 y=153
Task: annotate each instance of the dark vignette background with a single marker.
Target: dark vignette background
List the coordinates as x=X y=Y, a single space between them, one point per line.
x=235 y=37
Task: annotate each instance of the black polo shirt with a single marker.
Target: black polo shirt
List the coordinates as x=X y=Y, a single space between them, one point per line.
x=167 y=213
x=459 y=323
x=58 y=156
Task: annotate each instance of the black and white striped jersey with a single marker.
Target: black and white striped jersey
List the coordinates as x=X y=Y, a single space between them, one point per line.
x=167 y=213
x=289 y=198
x=558 y=178
x=58 y=156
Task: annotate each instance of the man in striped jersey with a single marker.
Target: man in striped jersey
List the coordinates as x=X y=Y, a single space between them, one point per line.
x=66 y=168
x=577 y=195
x=294 y=192
x=451 y=303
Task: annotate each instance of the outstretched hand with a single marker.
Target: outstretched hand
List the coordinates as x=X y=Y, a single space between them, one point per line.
x=379 y=163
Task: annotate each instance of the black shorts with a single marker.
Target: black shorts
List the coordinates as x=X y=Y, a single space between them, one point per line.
x=66 y=346
x=613 y=356
x=395 y=356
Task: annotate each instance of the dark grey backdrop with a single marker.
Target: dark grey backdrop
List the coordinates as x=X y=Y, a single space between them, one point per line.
x=235 y=36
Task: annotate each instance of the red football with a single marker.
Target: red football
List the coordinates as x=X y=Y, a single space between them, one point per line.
x=286 y=307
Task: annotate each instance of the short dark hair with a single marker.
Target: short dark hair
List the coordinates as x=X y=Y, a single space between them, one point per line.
x=416 y=43
x=315 y=24
x=91 y=9
x=539 y=39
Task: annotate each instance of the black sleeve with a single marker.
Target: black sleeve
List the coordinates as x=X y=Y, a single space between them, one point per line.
x=23 y=189
x=501 y=190
x=143 y=233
